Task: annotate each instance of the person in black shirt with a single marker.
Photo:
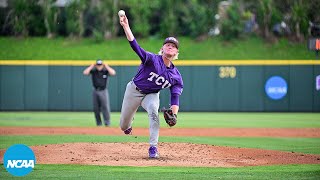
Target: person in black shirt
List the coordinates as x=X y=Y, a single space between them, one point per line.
x=99 y=74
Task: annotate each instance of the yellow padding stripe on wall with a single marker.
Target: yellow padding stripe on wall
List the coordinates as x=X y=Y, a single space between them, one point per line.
x=177 y=62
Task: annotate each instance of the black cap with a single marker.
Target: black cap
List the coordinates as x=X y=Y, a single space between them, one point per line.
x=99 y=62
x=172 y=40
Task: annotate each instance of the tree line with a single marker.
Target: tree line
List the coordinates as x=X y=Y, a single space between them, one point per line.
x=159 y=18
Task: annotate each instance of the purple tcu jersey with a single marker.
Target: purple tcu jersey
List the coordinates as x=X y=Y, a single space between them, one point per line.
x=153 y=75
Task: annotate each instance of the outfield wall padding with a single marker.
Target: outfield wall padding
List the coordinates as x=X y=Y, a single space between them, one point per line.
x=65 y=88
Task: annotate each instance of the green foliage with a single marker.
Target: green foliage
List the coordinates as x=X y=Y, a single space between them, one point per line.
x=74 y=14
x=276 y=17
x=97 y=36
x=188 y=18
x=50 y=16
x=299 y=17
x=141 y=12
x=2 y=20
x=100 y=20
x=163 y=18
x=168 y=18
x=264 y=13
x=35 y=24
x=194 y=18
x=232 y=25
x=26 y=18
x=20 y=17
x=313 y=10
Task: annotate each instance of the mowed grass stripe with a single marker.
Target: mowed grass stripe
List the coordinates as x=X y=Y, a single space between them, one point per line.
x=303 y=145
x=185 y=120
x=42 y=171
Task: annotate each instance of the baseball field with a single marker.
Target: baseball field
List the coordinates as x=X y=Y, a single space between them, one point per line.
x=201 y=146
x=248 y=74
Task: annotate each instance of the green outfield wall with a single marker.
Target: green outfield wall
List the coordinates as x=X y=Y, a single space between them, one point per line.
x=208 y=86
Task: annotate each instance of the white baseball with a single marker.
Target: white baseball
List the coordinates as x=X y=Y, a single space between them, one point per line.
x=121 y=13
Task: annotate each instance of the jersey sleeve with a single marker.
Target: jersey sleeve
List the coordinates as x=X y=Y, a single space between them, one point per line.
x=143 y=55
x=174 y=99
x=176 y=91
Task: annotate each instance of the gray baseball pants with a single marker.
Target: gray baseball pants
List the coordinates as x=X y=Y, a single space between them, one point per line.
x=101 y=103
x=150 y=102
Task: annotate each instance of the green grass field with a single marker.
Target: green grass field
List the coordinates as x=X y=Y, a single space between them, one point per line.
x=119 y=49
x=226 y=120
x=292 y=172
x=186 y=119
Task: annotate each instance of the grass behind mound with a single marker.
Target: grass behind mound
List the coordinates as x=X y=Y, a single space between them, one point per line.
x=186 y=120
x=114 y=172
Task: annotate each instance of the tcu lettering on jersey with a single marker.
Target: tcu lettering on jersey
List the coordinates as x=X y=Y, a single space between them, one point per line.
x=159 y=80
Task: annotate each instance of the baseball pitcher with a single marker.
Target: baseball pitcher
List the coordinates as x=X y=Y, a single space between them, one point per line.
x=155 y=73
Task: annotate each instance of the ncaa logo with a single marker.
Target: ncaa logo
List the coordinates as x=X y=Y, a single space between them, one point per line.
x=318 y=83
x=276 y=87
x=19 y=160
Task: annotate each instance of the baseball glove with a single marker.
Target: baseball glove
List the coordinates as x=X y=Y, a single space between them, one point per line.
x=169 y=117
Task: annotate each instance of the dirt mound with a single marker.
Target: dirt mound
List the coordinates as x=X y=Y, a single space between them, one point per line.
x=171 y=154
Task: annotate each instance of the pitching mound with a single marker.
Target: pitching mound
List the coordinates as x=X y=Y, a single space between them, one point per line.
x=171 y=154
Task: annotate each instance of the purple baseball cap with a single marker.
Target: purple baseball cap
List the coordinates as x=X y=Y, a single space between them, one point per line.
x=171 y=40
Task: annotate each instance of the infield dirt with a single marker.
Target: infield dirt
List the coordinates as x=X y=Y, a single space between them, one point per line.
x=171 y=154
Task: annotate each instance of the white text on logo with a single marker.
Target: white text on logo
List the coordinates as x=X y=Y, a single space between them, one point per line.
x=20 y=164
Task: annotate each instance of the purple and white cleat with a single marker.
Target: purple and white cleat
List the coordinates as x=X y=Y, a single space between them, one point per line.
x=128 y=131
x=153 y=152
